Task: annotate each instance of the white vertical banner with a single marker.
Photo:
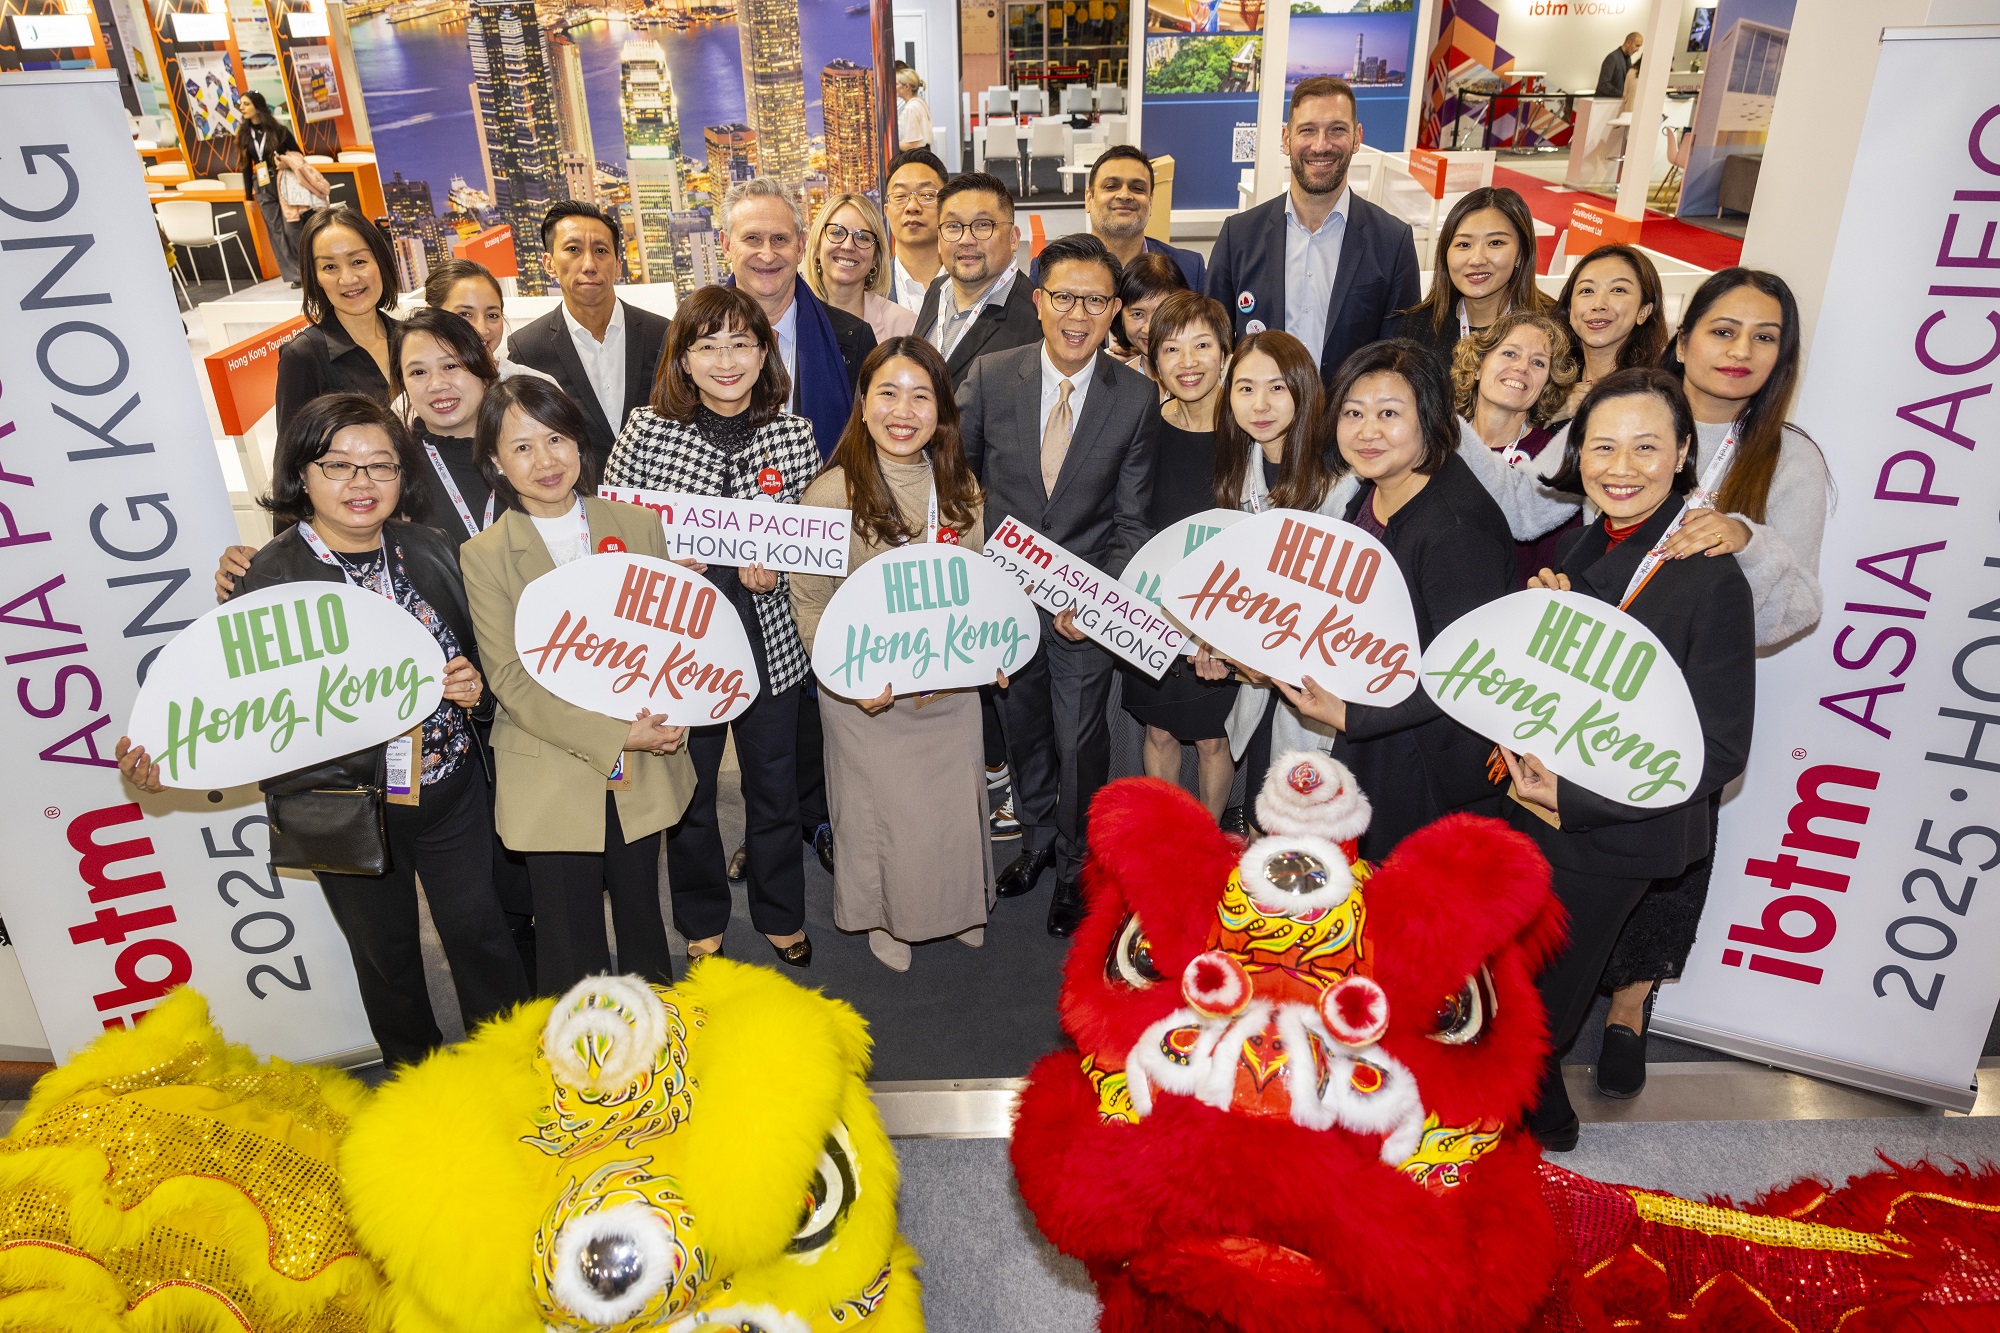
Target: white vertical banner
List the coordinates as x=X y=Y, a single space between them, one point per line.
x=1854 y=918
x=112 y=513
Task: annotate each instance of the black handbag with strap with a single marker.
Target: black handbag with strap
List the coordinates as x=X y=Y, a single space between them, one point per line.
x=325 y=819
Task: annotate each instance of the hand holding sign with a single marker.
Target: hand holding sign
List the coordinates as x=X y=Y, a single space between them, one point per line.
x=1084 y=601
x=923 y=617
x=1582 y=687
x=1291 y=594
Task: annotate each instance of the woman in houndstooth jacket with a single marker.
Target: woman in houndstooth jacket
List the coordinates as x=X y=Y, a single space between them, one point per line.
x=716 y=427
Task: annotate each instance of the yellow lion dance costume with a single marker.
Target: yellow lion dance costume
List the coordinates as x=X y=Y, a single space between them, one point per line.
x=627 y=1157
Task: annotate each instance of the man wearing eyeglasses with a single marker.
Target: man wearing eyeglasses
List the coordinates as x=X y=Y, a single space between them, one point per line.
x=915 y=179
x=1062 y=437
x=980 y=303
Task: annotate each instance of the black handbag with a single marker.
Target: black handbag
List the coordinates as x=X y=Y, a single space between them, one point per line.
x=323 y=819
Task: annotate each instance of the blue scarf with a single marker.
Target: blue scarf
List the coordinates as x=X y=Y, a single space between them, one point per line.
x=825 y=396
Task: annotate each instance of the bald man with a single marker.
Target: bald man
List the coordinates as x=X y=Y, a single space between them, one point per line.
x=1611 y=74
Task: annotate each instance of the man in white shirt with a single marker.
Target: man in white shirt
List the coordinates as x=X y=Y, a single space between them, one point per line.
x=1062 y=439
x=980 y=303
x=603 y=352
x=915 y=179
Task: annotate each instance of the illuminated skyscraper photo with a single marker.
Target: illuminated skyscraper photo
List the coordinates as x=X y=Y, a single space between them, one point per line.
x=774 y=85
x=517 y=106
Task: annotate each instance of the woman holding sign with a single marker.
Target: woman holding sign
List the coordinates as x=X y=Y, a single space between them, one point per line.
x=1631 y=451
x=583 y=795
x=348 y=476
x=717 y=426
x=1394 y=431
x=906 y=777
x=1766 y=492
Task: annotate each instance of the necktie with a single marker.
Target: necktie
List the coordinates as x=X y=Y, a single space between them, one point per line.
x=1055 y=439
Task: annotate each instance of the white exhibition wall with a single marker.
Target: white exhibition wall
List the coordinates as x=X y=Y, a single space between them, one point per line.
x=1568 y=39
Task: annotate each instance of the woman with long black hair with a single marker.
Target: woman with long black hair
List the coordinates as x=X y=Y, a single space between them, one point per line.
x=263 y=142
x=348 y=289
x=1614 y=309
x=1485 y=267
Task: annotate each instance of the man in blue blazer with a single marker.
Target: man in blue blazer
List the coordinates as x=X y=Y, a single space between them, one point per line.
x=1327 y=267
x=1118 y=200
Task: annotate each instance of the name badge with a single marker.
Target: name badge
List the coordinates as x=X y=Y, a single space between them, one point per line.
x=402 y=784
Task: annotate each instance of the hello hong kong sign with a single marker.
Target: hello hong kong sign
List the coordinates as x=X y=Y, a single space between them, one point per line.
x=1293 y=594
x=923 y=617
x=284 y=678
x=615 y=633
x=1128 y=624
x=1579 y=684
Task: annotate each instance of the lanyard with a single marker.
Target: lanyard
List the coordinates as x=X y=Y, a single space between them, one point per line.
x=1703 y=498
x=1464 y=324
x=379 y=581
x=1513 y=455
x=472 y=529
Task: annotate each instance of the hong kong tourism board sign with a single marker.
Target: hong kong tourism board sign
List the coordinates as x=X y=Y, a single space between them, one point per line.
x=1579 y=684
x=923 y=617
x=284 y=678
x=618 y=633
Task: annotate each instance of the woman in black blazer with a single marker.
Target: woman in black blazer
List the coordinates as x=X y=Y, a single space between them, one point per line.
x=261 y=141
x=1630 y=451
x=342 y=470
x=1391 y=423
x=347 y=276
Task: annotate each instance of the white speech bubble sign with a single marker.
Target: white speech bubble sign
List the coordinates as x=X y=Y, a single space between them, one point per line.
x=618 y=632
x=1171 y=545
x=923 y=617
x=1293 y=594
x=282 y=679
x=1579 y=684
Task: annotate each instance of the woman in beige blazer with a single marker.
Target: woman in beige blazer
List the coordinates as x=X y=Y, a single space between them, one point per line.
x=553 y=802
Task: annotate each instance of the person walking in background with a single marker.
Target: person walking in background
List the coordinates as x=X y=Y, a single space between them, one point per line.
x=1615 y=313
x=1118 y=200
x=1064 y=437
x=1324 y=265
x=912 y=861
x=349 y=478
x=847 y=265
x=913 y=114
x=584 y=796
x=601 y=350
x=347 y=291
x=911 y=197
x=717 y=426
x=980 y=303
x=263 y=143
x=1485 y=268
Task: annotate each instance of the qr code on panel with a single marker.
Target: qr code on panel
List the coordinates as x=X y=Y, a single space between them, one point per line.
x=1243 y=144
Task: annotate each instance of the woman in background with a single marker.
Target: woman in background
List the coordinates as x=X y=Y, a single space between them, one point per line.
x=847 y=265
x=1485 y=267
x=1614 y=310
x=903 y=876
x=469 y=290
x=1508 y=382
x=1142 y=285
x=913 y=114
x=262 y=143
x=348 y=287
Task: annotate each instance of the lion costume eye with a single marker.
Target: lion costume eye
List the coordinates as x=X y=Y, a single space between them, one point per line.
x=829 y=1196
x=1463 y=1017
x=610 y=1263
x=1131 y=959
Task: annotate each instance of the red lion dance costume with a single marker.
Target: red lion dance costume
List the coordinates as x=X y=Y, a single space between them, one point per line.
x=1295 y=1097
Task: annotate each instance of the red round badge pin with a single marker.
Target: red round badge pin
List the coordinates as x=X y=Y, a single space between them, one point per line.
x=770 y=481
x=947 y=537
x=610 y=544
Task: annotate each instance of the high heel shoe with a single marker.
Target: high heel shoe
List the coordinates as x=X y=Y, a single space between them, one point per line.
x=795 y=955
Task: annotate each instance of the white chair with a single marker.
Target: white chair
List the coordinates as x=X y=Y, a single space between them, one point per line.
x=190 y=224
x=1003 y=144
x=1047 y=139
x=1110 y=97
x=1030 y=102
x=355 y=155
x=999 y=101
x=1076 y=100
x=204 y=183
x=1083 y=155
x=231 y=180
x=143 y=144
x=1117 y=130
x=319 y=159
x=166 y=173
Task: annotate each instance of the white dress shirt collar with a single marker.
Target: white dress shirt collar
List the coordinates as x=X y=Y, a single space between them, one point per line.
x=1340 y=209
x=786 y=329
x=1052 y=380
x=603 y=361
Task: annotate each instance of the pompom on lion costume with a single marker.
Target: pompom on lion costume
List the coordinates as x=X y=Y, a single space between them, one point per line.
x=1295 y=1097
x=625 y=1158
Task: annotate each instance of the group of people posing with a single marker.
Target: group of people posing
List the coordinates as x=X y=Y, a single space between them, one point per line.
x=901 y=366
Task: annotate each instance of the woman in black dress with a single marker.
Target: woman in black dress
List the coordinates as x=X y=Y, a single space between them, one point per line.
x=347 y=274
x=1187 y=347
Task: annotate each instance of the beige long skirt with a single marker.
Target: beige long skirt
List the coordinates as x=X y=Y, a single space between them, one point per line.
x=907 y=789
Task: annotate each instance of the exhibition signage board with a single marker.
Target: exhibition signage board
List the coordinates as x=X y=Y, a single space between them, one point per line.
x=1854 y=909
x=282 y=679
x=1598 y=225
x=923 y=617
x=1292 y=594
x=617 y=632
x=1580 y=685
x=112 y=510
x=1126 y=623
x=1428 y=168
x=797 y=539
x=244 y=377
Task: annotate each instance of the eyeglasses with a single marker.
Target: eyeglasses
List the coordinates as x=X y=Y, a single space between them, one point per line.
x=981 y=230
x=1064 y=302
x=902 y=198
x=341 y=470
x=839 y=235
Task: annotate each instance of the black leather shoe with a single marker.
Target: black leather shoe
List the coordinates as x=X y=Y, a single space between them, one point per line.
x=1021 y=873
x=823 y=845
x=1562 y=1139
x=1065 y=910
x=797 y=955
x=739 y=863
x=1621 y=1067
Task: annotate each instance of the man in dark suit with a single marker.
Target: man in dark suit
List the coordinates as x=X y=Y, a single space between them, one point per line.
x=1062 y=437
x=1118 y=198
x=1327 y=267
x=603 y=351
x=980 y=303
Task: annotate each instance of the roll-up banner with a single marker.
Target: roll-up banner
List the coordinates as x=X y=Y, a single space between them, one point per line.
x=112 y=511
x=1854 y=913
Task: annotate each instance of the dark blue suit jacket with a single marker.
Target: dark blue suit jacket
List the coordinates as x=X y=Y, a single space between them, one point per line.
x=1192 y=266
x=1377 y=276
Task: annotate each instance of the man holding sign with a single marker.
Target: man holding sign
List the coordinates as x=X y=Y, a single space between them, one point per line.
x=1062 y=436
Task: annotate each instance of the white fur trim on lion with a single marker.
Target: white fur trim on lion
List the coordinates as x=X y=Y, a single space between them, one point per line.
x=635 y=1232
x=1310 y=793
x=604 y=1032
x=1215 y=985
x=1293 y=876
x=1355 y=995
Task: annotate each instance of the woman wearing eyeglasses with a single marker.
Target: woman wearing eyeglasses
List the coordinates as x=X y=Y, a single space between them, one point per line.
x=847 y=265
x=349 y=478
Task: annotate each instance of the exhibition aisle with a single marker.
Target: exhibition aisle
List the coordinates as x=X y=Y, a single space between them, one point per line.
x=1551 y=203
